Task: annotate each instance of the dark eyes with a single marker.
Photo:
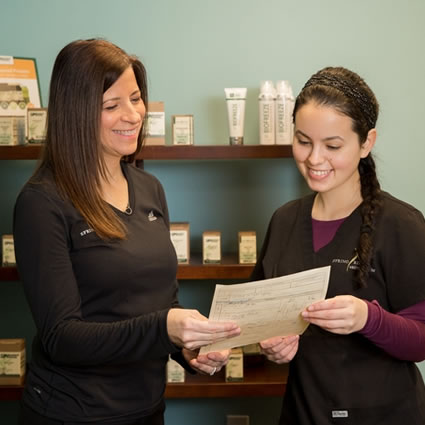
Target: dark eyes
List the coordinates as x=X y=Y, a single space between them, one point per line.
x=134 y=100
x=308 y=143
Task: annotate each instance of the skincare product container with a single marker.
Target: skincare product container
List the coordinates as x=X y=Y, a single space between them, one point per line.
x=235 y=99
x=284 y=108
x=266 y=103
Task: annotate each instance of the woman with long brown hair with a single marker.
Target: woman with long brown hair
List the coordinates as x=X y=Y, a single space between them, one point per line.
x=95 y=257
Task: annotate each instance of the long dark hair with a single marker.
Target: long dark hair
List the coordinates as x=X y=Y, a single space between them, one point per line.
x=83 y=71
x=348 y=93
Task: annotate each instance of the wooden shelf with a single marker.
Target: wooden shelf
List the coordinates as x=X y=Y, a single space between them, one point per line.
x=11 y=393
x=228 y=269
x=264 y=380
x=215 y=152
x=30 y=151
x=33 y=151
x=9 y=273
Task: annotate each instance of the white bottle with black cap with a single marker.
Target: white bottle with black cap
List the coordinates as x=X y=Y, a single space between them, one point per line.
x=267 y=113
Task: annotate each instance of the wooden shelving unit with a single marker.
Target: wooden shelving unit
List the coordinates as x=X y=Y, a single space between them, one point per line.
x=264 y=380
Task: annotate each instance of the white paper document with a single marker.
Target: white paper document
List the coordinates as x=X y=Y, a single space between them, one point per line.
x=267 y=308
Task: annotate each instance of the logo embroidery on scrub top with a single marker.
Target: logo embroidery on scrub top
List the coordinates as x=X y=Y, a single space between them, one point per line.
x=86 y=232
x=151 y=216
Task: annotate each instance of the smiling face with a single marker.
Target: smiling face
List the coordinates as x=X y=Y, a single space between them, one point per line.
x=327 y=151
x=122 y=116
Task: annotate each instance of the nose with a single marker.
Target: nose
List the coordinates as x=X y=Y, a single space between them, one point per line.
x=133 y=113
x=316 y=154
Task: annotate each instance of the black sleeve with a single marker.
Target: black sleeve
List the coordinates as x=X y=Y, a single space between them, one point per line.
x=45 y=269
x=401 y=249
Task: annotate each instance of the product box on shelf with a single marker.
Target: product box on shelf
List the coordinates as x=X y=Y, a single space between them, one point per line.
x=36 y=125
x=175 y=372
x=182 y=129
x=180 y=237
x=8 y=251
x=12 y=130
x=247 y=247
x=155 y=122
x=234 y=367
x=211 y=247
x=12 y=361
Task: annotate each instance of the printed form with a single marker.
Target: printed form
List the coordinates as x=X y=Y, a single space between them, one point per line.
x=267 y=308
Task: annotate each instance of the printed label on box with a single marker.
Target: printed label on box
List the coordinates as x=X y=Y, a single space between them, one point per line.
x=8 y=251
x=12 y=363
x=179 y=239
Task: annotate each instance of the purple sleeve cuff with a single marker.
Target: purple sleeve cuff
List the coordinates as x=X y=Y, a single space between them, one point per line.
x=399 y=334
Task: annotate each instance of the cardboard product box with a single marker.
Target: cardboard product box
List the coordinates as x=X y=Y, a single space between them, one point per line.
x=175 y=372
x=247 y=247
x=211 y=247
x=155 y=122
x=36 y=125
x=8 y=251
x=12 y=130
x=234 y=367
x=180 y=237
x=12 y=361
x=182 y=129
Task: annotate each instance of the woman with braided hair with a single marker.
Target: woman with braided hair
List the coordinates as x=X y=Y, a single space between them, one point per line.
x=355 y=363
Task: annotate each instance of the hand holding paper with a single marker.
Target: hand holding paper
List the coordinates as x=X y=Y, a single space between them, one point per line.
x=267 y=308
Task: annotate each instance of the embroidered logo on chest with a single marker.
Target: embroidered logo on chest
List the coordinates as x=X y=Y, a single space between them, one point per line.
x=151 y=216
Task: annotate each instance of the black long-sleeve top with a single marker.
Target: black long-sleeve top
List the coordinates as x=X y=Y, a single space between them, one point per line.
x=100 y=307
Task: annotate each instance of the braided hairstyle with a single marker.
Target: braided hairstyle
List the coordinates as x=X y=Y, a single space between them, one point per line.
x=348 y=93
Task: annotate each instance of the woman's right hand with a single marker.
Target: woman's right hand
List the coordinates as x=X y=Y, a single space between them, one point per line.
x=191 y=330
x=280 y=349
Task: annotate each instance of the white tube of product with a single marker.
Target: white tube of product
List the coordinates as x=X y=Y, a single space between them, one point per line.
x=235 y=99
x=284 y=108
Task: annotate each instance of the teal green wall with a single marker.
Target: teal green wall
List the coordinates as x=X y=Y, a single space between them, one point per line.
x=192 y=50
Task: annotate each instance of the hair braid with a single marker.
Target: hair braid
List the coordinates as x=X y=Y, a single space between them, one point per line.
x=370 y=189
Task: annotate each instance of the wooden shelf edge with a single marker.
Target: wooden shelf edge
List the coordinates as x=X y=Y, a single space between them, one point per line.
x=11 y=393
x=214 y=152
x=28 y=151
x=225 y=390
x=228 y=269
x=9 y=273
x=169 y=152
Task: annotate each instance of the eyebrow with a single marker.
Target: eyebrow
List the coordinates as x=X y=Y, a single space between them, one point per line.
x=118 y=98
x=326 y=139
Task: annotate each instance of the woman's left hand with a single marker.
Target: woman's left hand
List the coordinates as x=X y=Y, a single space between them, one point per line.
x=209 y=363
x=343 y=314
